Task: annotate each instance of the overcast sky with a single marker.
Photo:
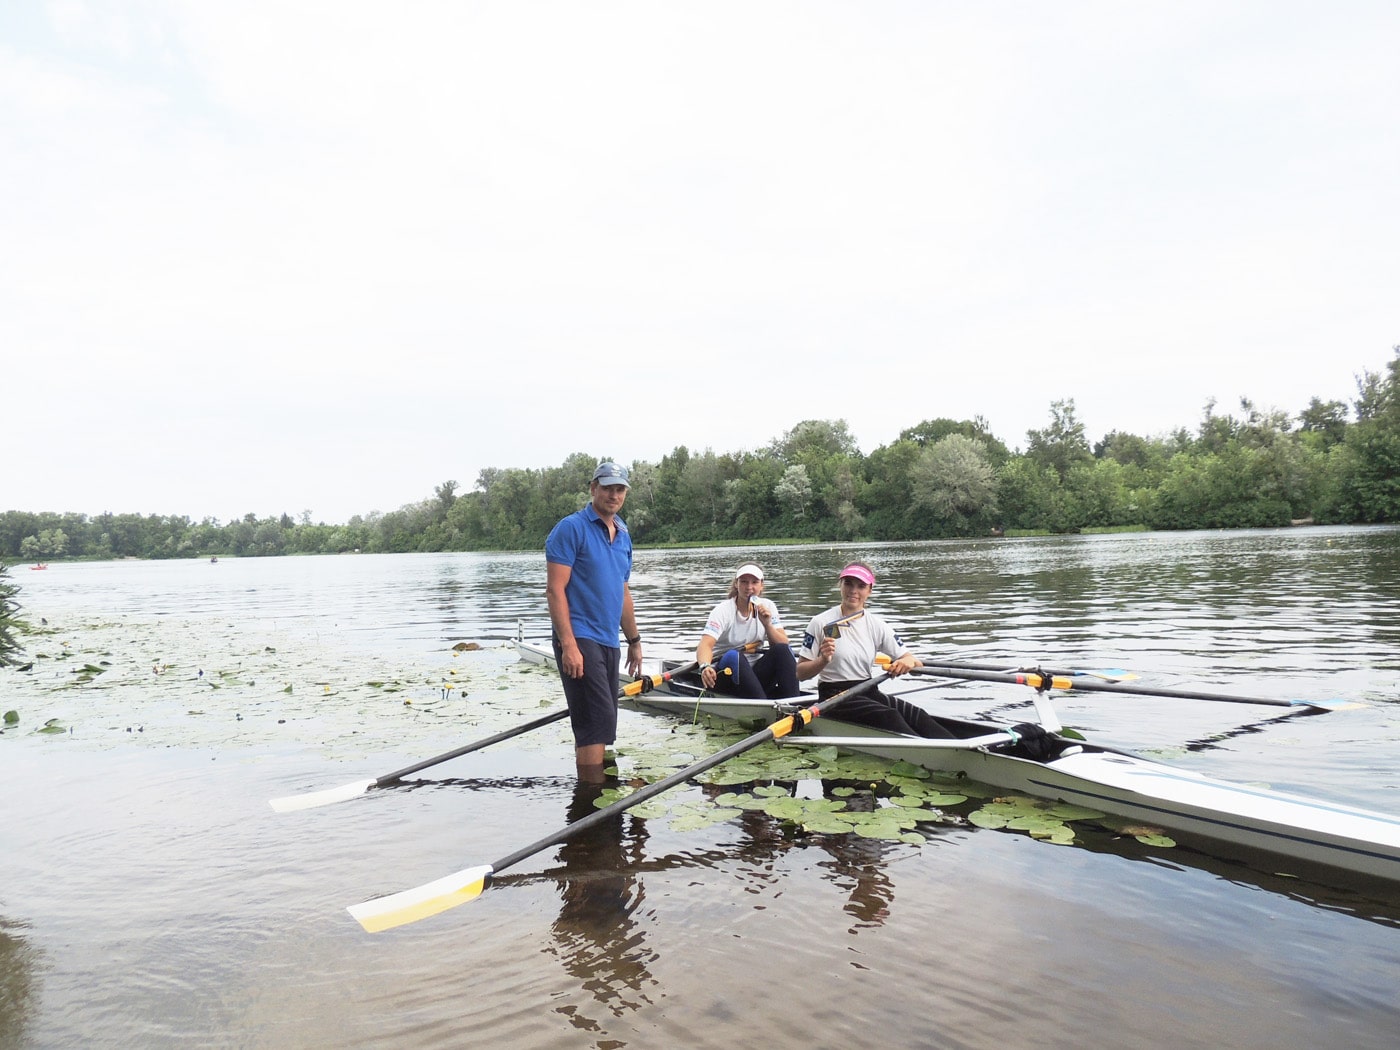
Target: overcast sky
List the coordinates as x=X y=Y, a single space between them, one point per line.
x=274 y=256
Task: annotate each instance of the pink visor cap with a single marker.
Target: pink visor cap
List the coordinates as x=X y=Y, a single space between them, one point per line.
x=858 y=572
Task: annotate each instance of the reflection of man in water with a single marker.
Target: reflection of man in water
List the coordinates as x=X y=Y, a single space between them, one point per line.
x=596 y=936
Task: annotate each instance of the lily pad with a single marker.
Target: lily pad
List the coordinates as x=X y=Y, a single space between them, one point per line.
x=908 y=769
x=1069 y=811
x=700 y=819
x=1164 y=841
x=943 y=798
x=827 y=824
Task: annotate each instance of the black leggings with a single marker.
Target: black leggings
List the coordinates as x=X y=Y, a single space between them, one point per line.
x=874 y=708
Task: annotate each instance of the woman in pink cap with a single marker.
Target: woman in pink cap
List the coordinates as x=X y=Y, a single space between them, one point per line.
x=839 y=648
x=744 y=617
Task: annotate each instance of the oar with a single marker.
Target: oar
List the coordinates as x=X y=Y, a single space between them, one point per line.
x=1041 y=682
x=1108 y=674
x=312 y=799
x=407 y=906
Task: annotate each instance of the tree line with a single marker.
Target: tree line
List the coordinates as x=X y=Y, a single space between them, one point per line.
x=1331 y=463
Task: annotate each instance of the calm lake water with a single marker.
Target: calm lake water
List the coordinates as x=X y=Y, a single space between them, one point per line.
x=150 y=897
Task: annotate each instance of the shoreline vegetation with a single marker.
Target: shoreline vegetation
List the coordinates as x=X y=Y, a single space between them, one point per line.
x=1330 y=464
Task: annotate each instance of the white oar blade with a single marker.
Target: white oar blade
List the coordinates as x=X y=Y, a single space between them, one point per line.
x=399 y=909
x=1109 y=674
x=1049 y=720
x=312 y=799
x=1329 y=705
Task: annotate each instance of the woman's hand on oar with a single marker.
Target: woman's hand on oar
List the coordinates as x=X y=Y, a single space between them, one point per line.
x=1044 y=680
x=398 y=909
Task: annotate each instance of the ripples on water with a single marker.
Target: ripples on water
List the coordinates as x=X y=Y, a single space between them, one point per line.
x=151 y=898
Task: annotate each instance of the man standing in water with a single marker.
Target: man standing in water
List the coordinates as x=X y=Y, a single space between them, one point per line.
x=589 y=559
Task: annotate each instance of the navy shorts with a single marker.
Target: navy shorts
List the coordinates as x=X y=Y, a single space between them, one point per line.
x=592 y=699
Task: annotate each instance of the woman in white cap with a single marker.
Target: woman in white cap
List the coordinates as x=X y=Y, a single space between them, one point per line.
x=839 y=648
x=744 y=617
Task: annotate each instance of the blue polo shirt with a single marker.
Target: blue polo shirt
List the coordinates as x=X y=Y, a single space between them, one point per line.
x=600 y=569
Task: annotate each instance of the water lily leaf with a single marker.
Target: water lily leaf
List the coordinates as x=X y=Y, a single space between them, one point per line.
x=890 y=832
x=722 y=777
x=784 y=808
x=943 y=798
x=983 y=818
x=907 y=801
x=772 y=791
x=11 y=717
x=749 y=802
x=909 y=784
x=1164 y=841
x=699 y=820
x=908 y=769
x=924 y=816
x=1068 y=811
x=1034 y=822
x=827 y=824
x=651 y=809
x=1060 y=834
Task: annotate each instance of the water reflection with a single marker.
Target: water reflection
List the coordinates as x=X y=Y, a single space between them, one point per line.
x=18 y=983
x=597 y=936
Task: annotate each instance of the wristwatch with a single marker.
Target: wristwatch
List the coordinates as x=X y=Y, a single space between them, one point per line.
x=637 y=640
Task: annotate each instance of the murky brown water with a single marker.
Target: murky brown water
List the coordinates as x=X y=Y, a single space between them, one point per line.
x=150 y=897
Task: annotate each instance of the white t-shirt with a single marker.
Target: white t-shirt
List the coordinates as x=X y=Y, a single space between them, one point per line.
x=730 y=630
x=860 y=639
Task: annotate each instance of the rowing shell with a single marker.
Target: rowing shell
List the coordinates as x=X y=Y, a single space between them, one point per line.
x=1139 y=789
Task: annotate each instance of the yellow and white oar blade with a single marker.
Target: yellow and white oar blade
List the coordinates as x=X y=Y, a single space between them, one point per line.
x=1109 y=674
x=399 y=909
x=312 y=799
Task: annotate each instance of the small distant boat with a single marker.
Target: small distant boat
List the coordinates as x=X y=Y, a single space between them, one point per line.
x=41 y=565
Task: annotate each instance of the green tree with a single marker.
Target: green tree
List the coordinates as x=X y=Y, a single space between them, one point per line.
x=953 y=479
x=932 y=431
x=11 y=623
x=794 y=491
x=1371 y=493
x=1328 y=419
x=887 y=499
x=1031 y=496
x=1062 y=444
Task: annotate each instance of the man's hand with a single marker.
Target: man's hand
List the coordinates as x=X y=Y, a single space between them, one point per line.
x=571 y=659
